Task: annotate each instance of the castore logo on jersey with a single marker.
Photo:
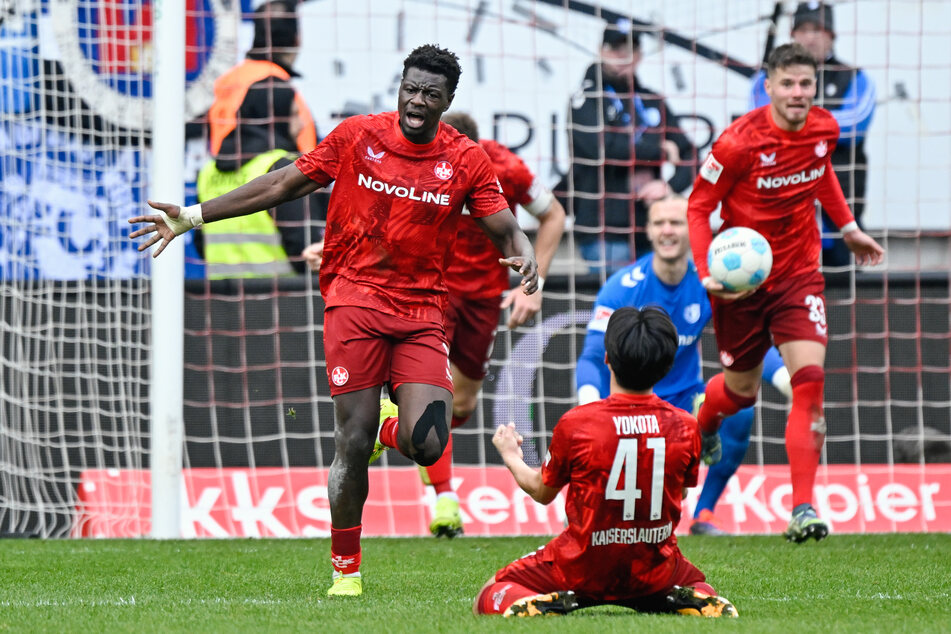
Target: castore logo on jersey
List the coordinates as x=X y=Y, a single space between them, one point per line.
x=376 y=157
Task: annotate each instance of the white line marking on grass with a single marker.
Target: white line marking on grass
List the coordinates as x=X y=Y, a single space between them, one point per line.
x=131 y=602
x=875 y=596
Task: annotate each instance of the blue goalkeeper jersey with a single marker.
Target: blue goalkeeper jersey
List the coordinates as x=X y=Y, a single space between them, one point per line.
x=689 y=308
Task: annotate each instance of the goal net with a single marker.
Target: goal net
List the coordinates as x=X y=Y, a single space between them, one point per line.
x=76 y=100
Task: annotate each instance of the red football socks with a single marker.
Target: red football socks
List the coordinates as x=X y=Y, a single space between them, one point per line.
x=497 y=597
x=388 y=432
x=440 y=472
x=458 y=421
x=805 y=432
x=345 y=549
x=719 y=403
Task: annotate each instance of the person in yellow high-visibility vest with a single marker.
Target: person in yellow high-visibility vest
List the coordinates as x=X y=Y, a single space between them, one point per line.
x=258 y=123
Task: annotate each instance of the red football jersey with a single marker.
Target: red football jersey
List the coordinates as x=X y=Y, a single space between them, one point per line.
x=475 y=272
x=393 y=213
x=628 y=459
x=768 y=179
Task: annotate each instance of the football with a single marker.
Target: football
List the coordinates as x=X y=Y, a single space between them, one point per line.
x=739 y=258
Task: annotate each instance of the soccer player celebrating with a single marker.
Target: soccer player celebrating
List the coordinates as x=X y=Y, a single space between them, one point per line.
x=627 y=460
x=766 y=170
x=476 y=283
x=401 y=181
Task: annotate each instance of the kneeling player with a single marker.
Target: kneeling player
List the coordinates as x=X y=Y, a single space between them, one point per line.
x=628 y=459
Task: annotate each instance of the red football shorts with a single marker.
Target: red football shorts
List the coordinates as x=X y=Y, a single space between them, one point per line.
x=366 y=348
x=542 y=576
x=793 y=310
x=470 y=328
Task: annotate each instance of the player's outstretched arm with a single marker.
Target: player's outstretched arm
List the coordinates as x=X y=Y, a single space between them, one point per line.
x=264 y=192
x=509 y=444
x=170 y=221
x=508 y=237
x=550 y=229
x=867 y=251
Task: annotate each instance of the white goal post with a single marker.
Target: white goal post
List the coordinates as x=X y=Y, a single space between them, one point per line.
x=168 y=297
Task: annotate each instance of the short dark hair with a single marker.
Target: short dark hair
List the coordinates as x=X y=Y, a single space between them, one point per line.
x=433 y=59
x=275 y=25
x=641 y=346
x=463 y=123
x=792 y=54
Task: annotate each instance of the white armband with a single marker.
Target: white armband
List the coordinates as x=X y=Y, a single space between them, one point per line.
x=188 y=218
x=541 y=283
x=852 y=226
x=588 y=394
x=542 y=199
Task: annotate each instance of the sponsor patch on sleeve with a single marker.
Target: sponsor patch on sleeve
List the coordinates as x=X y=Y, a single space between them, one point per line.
x=711 y=169
x=599 y=321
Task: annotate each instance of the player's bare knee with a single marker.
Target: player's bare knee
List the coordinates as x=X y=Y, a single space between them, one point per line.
x=354 y=442
x=463 y=405
x=430 y=434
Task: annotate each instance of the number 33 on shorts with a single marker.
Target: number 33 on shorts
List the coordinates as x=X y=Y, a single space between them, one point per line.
x=817 y=313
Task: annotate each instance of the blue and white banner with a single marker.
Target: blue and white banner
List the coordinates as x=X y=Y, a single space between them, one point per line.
x=75 y=101
x=64 y=205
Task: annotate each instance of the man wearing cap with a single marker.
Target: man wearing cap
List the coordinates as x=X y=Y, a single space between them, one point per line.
x=849 y=94
x=620 y=134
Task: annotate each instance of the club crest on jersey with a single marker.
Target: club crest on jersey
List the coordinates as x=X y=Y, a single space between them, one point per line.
x=376 y=157
x=711 y=169
x=767 y=160
x=339 y=376
x=443 y=170
x=692 y=313
x=821 y=148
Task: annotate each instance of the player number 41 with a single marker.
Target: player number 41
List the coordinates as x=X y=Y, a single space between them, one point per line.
x=625 y=459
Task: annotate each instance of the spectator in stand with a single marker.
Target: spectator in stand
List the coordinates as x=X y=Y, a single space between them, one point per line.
x=258 y=123
x=401 y=181
x=849 y=94
x=620 y=135
x=618 y=546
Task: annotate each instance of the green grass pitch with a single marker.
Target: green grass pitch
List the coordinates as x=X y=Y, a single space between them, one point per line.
x=847 y=583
